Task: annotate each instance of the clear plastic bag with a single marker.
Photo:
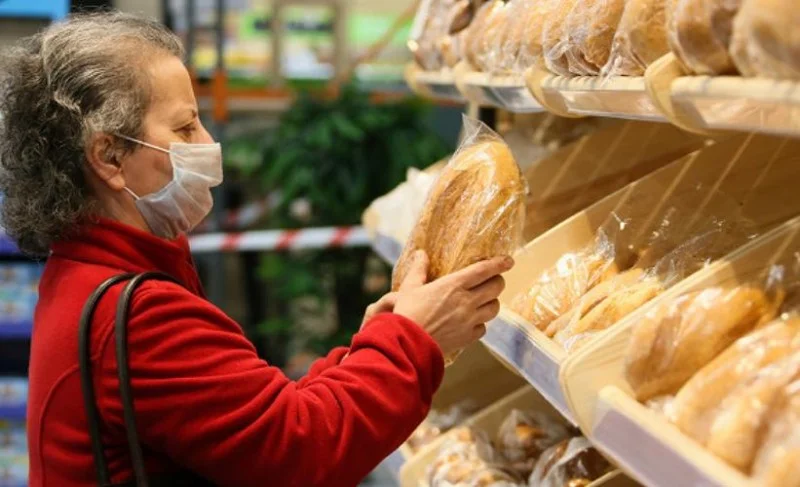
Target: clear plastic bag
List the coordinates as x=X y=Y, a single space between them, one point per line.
x=679 y=337
x=699 y=33
x=429 y=26
x=722 y=405
x=525 y=435
x=439 y=422
x=479 y=44
x=532 y=51
x=555 y=41
x=777 y=463
x=589 y=32
x=572 y=463
x=468 y=459
x=475 y=210
x=510 y=39
x=765 y=39
x=558 y=289
x=641 y=38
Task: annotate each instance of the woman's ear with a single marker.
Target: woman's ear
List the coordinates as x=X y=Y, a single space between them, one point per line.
x=102 y=157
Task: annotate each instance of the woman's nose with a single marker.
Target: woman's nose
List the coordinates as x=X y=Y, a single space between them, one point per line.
x=203 y=136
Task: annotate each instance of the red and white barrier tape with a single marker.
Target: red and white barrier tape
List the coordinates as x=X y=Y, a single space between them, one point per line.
x=306 y=238
x=243 y=217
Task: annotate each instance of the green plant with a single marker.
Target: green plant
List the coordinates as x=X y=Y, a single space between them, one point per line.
x=328 y=160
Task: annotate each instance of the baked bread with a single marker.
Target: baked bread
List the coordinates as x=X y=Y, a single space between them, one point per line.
x=699 y=33
x=590 y=28
x=777 y=463
x=554 y=38
x=572 y=462
x=531 y=52
x=488 y=55
x=477 y=44
x=475 y=211
x=677 y=338
x=595 y=296
x=610 y=310
x=765 y=40
x=510 y=37
x=525 y=435
x=641 y=38
x=697 y=405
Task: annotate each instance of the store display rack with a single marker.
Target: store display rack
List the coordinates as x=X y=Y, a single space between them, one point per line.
x=15 y=329
x=13 y=412
x=699 y=104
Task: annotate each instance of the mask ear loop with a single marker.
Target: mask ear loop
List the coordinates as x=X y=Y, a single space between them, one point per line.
x=130 y=192
x=144 y=143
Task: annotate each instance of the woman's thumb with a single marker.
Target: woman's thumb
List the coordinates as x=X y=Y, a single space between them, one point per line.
x=418 y=273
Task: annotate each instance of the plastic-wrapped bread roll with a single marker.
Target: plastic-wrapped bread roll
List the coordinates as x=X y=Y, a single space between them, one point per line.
x=679 y=337
x=609 y=311
x=477 y=44
x=736 y=431
x=766 y=41
x=590 y=28
x=531 y=52
x=524 y=435
x=697 y=405
x=777 y=463
x=571 y=463
x=489 y=53
x=554 y=38
x=510 y=37
x=640 y=40
x=699 y=33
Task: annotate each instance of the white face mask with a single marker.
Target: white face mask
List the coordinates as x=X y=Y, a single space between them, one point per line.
x=182 y=204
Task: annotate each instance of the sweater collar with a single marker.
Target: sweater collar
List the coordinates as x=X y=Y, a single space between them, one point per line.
x=110 y=243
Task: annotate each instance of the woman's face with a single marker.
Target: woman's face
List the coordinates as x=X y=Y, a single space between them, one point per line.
x=171 y=117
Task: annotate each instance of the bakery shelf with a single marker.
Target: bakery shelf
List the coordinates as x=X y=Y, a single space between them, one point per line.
x=438 y=85
x=652 y=451
x=616 y=97
x=14 y=412
x=507 y=92
x=742 y=104
x=13 y=329
x=531 y=354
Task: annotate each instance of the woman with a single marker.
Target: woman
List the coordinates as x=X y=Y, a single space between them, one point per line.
x=105 y=167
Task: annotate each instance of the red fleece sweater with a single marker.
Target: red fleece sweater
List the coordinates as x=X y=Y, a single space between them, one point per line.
x=203 y=399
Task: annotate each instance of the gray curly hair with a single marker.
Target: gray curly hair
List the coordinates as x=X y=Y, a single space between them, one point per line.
x=57 y=88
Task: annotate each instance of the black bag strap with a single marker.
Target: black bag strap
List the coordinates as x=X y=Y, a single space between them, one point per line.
x=123 y=371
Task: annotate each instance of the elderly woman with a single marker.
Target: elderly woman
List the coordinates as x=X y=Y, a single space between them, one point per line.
x=105 y=167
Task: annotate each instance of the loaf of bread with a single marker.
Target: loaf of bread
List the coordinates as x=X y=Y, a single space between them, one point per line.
x=765 y=40
x=478 y=44
x=489 y=53
x=510 y=37
x=641 y=38
x=475 y=211
x=558 y=289
x=525 y=435
x=531 y=52
x=679 y=337
x=554 y=37
x=571 y=463
x=699 y=33
x=590 y=28
x=698 y=403
x=777 y=463
x=609 y=311
x=736 y=431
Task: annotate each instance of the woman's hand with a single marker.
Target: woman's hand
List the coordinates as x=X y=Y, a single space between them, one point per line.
x=383 y=305
x=453 y=309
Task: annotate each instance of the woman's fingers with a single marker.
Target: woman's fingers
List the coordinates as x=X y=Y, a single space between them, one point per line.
x=417 y=275
x=478 y=332
x=477 y=274
x=487 y=312
x=489 y=290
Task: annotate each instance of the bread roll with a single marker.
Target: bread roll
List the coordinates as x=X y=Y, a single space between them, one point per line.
x=524 y=435
x=531 y=51
x=511 y=37
x=572 y=462
x=699 y=33
x=477 y=44
x=766 y=41
x=742 y=418
x=475 y=211
x=777 y=463
x=610 y=310
x=595 y=296
x=590 y=28
x=554 y=39
x=641 y=38
x=678 y=338
x=489 y=51
x=697 y=405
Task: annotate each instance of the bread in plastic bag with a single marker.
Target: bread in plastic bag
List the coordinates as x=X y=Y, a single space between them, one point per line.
x=532 y=51
x=589 y=32
x=439 y=422
x=488 y=19
x=558 y=289
x=525 y=435
x=572 y=463
x=777 y=463
x=430 y=25
x=699 y=33
x=697 y=406
x=554 y=37
x=766 y=41
x=679 y=337
x=641 y=38
x=507 y=40
x=475 y=210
